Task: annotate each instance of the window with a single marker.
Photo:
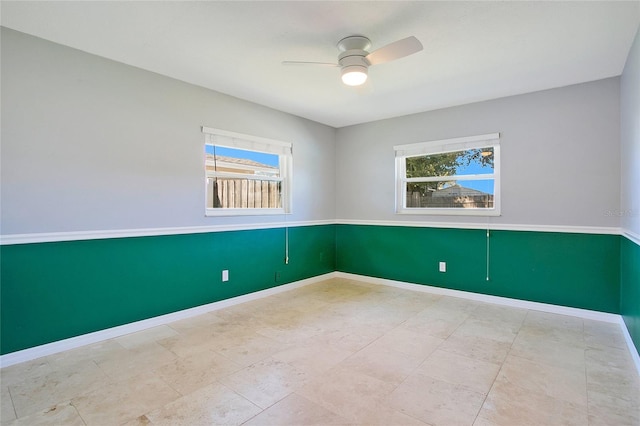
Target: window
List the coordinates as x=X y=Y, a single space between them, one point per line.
x=246 y=175
x=453 y=176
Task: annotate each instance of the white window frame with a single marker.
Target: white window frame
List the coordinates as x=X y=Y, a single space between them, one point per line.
x=441 y=147
x=284 y=150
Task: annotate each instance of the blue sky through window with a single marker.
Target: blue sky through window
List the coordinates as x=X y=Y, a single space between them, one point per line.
x=260 y=157
x=476 y=168
x=485 y=186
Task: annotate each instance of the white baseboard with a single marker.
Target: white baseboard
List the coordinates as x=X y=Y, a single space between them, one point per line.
x=505 y=301
x=110 y=333
x=516 y=303
x=632 y=348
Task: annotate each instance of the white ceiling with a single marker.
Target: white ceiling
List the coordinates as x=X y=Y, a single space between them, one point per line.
x=473 y=51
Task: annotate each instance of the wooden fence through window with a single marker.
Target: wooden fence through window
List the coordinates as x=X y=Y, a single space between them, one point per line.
x=246 y=193
x=416 y=199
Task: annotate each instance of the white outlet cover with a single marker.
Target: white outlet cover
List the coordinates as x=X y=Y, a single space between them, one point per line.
x=443 y=267
x=225 y=275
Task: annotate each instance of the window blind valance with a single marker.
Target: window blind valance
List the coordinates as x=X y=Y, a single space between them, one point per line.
x=447 y=145
x=246 y=142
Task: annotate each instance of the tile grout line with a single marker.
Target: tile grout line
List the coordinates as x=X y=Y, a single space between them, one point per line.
x=501 y=367
x=77 y=411
x=586 y=375
x=13 y=406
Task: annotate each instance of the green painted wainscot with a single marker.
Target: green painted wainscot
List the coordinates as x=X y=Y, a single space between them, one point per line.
x=568 y=269
x=630 y=288
x=53 y=291
x=56 y=290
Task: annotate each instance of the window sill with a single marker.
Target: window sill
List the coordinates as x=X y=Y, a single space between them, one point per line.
x=243 y=212
x=450 y=212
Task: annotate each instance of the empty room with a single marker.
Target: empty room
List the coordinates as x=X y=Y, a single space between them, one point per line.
x=320 y=213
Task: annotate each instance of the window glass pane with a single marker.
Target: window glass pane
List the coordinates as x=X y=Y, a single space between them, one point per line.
x=245 y=174
x=472 y=161
x=228 y=193
x=465 y=194
x=232 y=160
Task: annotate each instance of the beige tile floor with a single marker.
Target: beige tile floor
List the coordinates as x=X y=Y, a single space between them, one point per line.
x=339 y=352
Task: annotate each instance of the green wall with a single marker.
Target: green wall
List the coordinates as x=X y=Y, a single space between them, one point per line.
x=53 y=291
x=630 y=288
x=575 y=270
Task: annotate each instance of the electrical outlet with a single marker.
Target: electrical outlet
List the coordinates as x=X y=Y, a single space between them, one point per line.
x=278 y=276
x=225 y=275
x=442 y=267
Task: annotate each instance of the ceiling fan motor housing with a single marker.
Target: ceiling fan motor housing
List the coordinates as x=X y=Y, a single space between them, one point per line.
x=354 y=51
x=353 y=57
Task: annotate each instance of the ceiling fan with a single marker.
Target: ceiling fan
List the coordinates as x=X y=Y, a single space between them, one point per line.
x=354 y=58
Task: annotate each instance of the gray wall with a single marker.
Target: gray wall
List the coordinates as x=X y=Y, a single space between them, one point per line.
x=92 y=144
x=630 y=140
x=560 y=157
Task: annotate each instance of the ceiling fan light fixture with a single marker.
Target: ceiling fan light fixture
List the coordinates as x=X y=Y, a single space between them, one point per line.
x=354 y=75
x=355 y=59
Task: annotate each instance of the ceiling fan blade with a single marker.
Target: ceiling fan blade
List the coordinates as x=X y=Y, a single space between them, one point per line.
x=396 y=50
x=325 y=64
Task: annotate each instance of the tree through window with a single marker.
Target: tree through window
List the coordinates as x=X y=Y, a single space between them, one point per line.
x=454 y=176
